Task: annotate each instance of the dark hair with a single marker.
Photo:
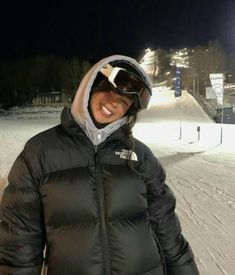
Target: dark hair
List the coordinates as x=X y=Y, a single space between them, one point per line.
x=131 y=120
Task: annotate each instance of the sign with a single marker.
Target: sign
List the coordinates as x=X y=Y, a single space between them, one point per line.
x=210 y=93
x=178 y=81
x=217 y=83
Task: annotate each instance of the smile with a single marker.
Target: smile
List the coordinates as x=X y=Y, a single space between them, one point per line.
x=106 y=111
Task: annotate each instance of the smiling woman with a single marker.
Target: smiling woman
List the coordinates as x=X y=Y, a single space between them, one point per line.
x=90 y=192
x=108 y=106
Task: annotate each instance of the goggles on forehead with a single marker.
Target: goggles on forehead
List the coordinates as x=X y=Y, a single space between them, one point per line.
x=128 y=84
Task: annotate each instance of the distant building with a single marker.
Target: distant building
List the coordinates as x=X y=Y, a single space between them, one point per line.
x=226 y=115
x=52 y=98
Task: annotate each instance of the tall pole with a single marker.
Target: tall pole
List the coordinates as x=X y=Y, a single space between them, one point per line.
x=180 y=119
x=198 y=85
x=178 y=92
x=222 y=113
x=217 y=83
x=194 y=92
x=222 y=120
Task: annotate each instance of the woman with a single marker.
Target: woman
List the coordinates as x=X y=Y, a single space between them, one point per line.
x=90 y=192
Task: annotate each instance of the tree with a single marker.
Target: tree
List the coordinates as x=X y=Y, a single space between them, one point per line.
x=14 y=88
x=75 y=69
x=163 y=62
x=46 y=73
x=216 y=57
x=206 y=60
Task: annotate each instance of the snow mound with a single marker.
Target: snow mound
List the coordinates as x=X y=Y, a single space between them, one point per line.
x=34 y=112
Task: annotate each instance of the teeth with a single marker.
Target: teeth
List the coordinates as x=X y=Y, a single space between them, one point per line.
x=106 y=111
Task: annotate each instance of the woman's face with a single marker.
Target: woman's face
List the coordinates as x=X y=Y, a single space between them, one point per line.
x=108 y=106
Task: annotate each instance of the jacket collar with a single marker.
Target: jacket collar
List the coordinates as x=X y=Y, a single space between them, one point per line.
x=73 y=128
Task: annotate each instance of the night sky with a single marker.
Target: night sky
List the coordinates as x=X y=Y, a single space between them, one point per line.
x=95 y=29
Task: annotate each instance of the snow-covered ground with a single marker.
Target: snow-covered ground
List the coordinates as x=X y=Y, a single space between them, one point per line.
x=199 y=165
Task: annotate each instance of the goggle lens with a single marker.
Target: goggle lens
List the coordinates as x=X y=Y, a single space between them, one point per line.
x=130 y=84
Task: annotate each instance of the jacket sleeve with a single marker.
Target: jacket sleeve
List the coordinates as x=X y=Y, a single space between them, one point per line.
x=178 y=256
x=21 y=241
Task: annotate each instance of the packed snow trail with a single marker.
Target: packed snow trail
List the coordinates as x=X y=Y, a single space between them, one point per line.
x=200 y=172
x=199 y=169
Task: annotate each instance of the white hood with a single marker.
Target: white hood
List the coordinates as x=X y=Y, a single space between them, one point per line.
x=79 y=107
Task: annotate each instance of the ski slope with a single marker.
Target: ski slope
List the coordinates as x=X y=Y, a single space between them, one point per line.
x=200 y=169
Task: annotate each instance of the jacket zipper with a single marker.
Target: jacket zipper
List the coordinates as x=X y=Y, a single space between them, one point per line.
x=103 y=225
x=161 y=253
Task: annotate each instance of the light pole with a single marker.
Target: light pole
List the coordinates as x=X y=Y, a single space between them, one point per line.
x=229 y=80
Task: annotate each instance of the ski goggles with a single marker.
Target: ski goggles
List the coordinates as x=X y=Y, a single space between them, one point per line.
x=128 y=84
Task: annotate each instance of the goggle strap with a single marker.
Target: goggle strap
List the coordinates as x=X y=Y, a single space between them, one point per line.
x=111 y=72
x=106 y=70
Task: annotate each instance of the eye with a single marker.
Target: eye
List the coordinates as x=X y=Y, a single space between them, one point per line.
x=125 y=102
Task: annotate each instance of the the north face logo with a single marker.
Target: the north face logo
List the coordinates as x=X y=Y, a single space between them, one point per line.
x=126 y=154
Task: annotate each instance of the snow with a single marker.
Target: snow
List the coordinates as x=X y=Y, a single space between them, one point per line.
x=199 y=165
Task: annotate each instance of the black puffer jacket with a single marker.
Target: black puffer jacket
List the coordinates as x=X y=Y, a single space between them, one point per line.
x=95 y=215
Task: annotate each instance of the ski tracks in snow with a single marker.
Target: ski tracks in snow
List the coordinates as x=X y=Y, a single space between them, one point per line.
x=205 y=205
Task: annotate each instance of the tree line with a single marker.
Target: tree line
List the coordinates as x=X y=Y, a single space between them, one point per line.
x=24 y=79
x=205 y=60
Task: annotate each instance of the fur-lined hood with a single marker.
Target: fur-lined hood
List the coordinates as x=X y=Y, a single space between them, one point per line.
x=79 y=107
